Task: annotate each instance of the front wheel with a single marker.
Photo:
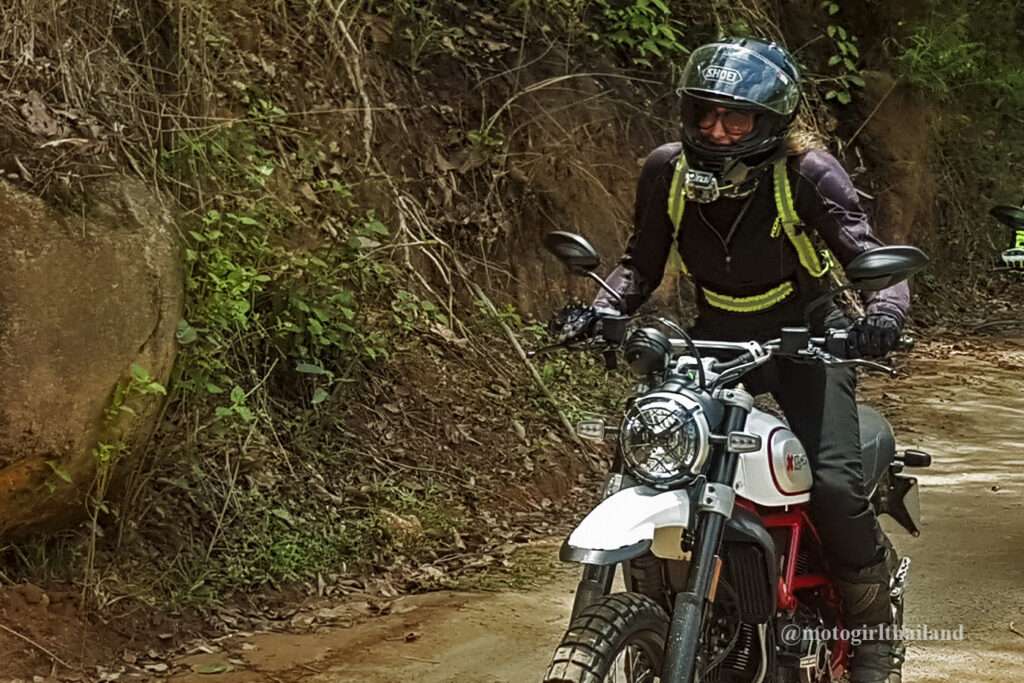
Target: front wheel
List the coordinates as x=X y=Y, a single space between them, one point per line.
x=619 y=638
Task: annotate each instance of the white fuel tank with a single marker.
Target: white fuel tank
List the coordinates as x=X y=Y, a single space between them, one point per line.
x=779 y=474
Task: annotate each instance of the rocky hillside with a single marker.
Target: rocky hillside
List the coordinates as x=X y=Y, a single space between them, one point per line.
x=268 y=266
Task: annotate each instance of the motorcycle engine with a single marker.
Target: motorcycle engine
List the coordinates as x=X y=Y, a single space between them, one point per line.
x=733 y=649
x=804 y=649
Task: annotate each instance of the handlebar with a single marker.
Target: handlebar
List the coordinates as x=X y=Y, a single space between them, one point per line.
x=822 y=349
x=906 y=342
x=795 y=343
x=722 y=366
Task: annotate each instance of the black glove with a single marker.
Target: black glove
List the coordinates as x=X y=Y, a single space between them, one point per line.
x=573 y=322
x=577 y=322
x=876 y=335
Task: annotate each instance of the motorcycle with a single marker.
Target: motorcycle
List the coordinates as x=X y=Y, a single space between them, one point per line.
x=706 y=507
x=1013 y=218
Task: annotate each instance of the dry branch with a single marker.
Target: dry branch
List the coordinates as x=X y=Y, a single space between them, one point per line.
x=37 y=646
x=537 y=379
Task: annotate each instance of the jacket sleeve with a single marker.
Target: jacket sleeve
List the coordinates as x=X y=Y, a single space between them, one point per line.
x=642 y=267
x=827 y=201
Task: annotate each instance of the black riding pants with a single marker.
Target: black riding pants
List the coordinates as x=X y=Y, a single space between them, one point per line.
x=820 y=405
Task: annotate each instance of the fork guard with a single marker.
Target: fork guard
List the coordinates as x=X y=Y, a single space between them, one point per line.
x=622 y=526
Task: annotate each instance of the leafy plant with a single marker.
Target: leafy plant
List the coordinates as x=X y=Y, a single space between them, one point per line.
x=645 y=29
x=107 y=453
x=938 y=56
x=843 y=62
x=252 y=294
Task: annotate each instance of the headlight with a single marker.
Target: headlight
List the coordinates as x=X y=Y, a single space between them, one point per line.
x=665 y=438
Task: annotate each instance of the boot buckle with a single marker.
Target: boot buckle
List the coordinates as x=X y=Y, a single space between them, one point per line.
x=899 y=584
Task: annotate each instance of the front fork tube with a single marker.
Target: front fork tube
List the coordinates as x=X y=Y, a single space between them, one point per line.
x=596 y=581
x=714 y=509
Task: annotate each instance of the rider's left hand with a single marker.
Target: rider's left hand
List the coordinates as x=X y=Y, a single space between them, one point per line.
x=877 y=335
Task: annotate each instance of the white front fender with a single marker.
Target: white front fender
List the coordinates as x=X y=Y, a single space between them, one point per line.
x=626 y=522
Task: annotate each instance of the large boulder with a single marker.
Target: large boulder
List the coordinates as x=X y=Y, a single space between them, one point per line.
x=84 y=295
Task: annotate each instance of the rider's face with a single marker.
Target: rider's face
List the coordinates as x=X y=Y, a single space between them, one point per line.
x=722 y=126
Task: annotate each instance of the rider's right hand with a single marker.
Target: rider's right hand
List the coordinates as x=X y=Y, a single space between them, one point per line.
x=575 y=322
x=876 y=335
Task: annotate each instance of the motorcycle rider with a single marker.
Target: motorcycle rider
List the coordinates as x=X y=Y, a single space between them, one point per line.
x=739 y=200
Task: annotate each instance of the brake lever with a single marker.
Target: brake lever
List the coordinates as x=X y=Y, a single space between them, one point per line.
x=572 y=344
x=835 y=362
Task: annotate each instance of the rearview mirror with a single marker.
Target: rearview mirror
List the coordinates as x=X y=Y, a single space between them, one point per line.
x=883 y=267
x=576 y=253
x=1011 y=216
x=573 y=250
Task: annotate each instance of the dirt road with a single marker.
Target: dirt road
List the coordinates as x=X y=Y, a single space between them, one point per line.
x=967 y=565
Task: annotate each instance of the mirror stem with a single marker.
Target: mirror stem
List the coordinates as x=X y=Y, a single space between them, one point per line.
x=827 y=296
x=604 y=285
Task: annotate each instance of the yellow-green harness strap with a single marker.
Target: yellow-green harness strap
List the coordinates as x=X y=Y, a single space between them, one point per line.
x=788 y=221
x=748 y=304
x=676 y=204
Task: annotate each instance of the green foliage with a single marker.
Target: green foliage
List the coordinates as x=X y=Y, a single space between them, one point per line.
x=410 y=312
x=582 y=385
x=290 y=298
x=274 y=540
x=301 y=304
x=107 y=454
x=647 y=32
x=41 y=559
x=579 y=381
x=938 y=57
x=644 y=29
x=485 y=142
x=964 y=53
x=112 y=447
x=844 y=60
x=966 y=62
x=257 y=300
x=140 y=383
x=58 y=469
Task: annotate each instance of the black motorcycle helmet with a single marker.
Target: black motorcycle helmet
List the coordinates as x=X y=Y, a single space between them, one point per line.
x=744 y=74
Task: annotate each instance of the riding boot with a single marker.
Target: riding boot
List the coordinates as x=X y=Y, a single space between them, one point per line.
x=873 y=607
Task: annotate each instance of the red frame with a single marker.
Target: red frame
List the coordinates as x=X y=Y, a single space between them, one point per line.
x=797 y=521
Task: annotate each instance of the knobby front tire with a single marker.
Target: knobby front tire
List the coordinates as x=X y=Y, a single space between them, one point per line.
x=622 y=623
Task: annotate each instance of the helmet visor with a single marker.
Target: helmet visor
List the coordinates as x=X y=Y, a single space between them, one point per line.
x=733 y=73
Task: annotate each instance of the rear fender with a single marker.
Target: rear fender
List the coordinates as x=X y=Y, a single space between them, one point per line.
x=899 y=497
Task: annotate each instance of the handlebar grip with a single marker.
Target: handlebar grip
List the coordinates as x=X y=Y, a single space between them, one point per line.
x=723 y=366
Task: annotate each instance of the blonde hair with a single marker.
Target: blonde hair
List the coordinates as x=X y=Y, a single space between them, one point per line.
x=803 y=139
